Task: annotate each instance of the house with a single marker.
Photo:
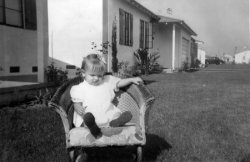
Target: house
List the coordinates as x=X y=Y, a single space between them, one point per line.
x=172 y=38
x=131 y=25
x=23 y=40
x=194 y=53
x=242 y=57
x=137 y=27
x=227 y=58
x=202 y=56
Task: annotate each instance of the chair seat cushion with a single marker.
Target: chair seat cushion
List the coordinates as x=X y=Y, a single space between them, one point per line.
x=126 y=135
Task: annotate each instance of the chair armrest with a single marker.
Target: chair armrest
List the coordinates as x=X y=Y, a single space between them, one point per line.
x=144 y=98
x=64 y=118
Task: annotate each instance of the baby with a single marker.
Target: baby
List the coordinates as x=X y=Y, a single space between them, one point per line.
x=93 y=97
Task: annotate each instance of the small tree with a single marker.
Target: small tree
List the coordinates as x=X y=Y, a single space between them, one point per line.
x=114 y=48
x=55 y=74
x=142 y=59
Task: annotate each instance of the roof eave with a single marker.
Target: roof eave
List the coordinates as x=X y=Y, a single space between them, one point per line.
x=188 y=28
x=176 y=21
x=144 y=9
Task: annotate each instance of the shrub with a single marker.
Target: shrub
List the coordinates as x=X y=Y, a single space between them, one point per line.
x=55 y=74
x=146 y=61
x=42 y=98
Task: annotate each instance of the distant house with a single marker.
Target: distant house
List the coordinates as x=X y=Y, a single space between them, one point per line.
x=242 y=57
x=71 y=69
x=23 y=40
x=194 y=52
x=201 y=56
x=227 y=58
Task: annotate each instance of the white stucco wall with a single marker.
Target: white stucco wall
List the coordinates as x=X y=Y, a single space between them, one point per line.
x=125 y=53
x=182 y=58
x=163 y=40
x=162 y=43
x=18 y=48
x=178 y=44
x=201 y=56
x=23 y=47
x=243 y=57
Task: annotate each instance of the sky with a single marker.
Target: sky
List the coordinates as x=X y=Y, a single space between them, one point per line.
x=73 y=25
x=223 y=25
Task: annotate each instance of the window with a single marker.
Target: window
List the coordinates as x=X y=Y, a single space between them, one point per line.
x=70 y=67
x=126 y=28
x=144 y=34
x=34 y=69
x=14 y=69
x=18 y=13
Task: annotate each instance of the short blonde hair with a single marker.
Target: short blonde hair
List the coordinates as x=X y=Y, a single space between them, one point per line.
x=93 y=63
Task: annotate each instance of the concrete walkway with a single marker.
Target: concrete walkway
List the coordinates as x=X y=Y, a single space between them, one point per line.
x=7 y=84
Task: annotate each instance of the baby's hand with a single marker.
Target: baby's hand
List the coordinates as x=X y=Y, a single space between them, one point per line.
x=79 y=108
x=137 y=80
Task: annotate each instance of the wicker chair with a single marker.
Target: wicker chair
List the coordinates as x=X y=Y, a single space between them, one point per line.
x=135 y=98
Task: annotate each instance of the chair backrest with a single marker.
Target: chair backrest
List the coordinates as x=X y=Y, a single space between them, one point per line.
x=62 y=95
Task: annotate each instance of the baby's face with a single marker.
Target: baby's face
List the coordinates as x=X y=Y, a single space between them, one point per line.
x=93 y=78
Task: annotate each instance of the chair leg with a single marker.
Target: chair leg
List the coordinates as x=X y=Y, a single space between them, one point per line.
x=139 y=154
x=82 y=157
x=77 y=155
x=71 y=154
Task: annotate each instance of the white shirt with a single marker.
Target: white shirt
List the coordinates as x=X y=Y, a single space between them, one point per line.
x=97 y=99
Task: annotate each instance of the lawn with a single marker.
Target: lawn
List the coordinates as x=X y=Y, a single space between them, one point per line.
x=200 y=116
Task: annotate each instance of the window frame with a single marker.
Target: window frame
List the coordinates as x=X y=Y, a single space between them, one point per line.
x=20 y=13
x=144 y=37
x=25 y=12
x=125 y=28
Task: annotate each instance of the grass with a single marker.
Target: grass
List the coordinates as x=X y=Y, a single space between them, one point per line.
x=200 y=116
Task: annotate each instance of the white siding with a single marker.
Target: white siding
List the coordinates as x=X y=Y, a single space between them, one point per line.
x=243 y=57
x=125 y=53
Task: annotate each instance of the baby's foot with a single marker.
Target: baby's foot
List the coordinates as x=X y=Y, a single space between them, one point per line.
x=109 y=131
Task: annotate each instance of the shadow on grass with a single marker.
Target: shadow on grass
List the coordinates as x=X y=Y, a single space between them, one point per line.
x=191 y=70
x=153 y=148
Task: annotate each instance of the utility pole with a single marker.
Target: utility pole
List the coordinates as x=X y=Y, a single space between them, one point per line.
x=52 y=49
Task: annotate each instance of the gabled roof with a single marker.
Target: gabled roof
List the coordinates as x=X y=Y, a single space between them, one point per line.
x=143 y=9
x=164 y=19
